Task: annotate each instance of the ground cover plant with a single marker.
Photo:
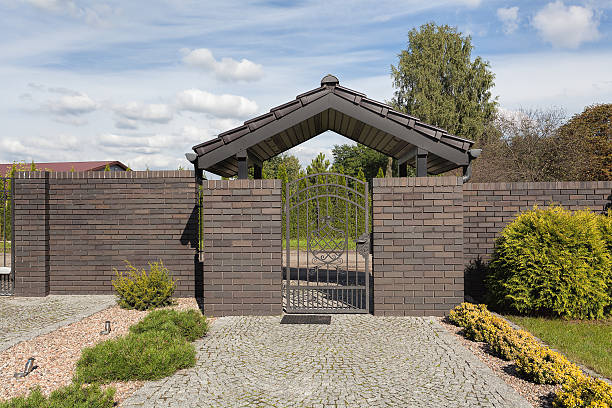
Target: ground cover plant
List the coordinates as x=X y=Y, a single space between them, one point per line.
x=190 y=324
x=137 y=289
x=587 y=342
x=155 y=348
x=553 y=262
x=534 y=361
x=74 y=395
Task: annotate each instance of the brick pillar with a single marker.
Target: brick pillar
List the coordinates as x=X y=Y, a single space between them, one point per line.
x=242 y=267
x=31 y=197
x=418 y=245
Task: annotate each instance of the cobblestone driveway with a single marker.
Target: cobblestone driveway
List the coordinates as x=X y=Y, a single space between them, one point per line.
x=22 y=318
x=357 y=361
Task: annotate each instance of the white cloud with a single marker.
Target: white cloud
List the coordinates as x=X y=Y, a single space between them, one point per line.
x=137 y=111
x=94 y=15
x=11 y=146
x=194 y=134
x=566 y=26
x=227 y=106
x=75 y=104
x=509 y=18
x=144 y=144
x=228 y=69
x=527 y=80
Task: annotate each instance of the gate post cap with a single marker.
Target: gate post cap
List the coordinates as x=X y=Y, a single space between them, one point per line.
x=329 y=80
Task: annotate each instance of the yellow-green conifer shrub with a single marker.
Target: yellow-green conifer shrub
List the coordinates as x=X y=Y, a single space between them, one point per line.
x=137 y=289
x=462 y=314
x=584 y=392
x=542 y=365
x=552 y=262
x=508 y=344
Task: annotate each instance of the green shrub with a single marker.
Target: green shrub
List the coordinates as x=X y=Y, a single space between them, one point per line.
x=72 y=396
x=149 y=355
x=138 y=290
x=190 y=324
x=552 y=262
x=584 y=392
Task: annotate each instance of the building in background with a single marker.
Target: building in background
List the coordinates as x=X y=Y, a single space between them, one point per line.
x=69 y=166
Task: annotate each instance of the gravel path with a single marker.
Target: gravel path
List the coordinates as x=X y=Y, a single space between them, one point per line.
x=23 y=318
x=357 y=361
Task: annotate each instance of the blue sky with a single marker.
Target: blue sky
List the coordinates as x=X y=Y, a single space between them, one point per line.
x=142 y=82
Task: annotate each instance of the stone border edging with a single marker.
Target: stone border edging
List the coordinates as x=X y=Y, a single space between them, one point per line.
x=54 y=326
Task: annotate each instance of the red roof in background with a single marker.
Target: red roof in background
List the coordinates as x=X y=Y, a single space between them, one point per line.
x=67 y=166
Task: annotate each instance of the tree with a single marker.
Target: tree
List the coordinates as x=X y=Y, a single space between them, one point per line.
x=318 y=165
x=437 y=81
x=380 y=173
x=588 y=140
x=358 y=157
x=107 y=167
x=291 y=164
x=523 y=146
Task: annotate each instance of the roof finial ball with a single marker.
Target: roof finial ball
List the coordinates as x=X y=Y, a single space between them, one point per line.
x=329 y=80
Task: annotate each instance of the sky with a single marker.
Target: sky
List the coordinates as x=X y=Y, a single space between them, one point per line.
x=143 y=81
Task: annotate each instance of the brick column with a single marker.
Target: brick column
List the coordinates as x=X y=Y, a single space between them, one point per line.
x=31 y=197
x=242 y=267
x=418 y=245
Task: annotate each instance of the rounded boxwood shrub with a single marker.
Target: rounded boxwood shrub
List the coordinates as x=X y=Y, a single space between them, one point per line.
x=137 y=289
x=189 y=324
x=551 y=262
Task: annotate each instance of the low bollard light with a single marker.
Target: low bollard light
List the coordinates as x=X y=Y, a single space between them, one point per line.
x=107 y=328
x=29 y=366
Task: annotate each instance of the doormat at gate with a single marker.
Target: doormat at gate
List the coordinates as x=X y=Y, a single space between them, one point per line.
x=306 y=319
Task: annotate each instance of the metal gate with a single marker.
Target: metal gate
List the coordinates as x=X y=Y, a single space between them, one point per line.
x=326 y=254
x=7 y=241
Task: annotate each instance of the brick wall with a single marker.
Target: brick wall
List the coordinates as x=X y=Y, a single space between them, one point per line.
x=489 y=207
x=242 y=247
x=418 y=252
x=72 y=229
x=30 y=199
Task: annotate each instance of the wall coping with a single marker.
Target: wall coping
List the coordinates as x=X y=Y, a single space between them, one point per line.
x=105 y=174
x=234 y=184
x=417 y=181
x=543 y=185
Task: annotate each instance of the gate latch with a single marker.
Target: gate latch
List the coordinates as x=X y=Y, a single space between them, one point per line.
x=363 y=244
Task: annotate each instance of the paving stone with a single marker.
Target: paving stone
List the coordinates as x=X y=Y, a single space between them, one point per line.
x=357 y=361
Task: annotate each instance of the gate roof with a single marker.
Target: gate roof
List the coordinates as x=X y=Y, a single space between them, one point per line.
x=344 y=111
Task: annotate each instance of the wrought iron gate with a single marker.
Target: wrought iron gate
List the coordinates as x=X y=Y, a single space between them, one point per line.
x=326 y=254
x=7 y=242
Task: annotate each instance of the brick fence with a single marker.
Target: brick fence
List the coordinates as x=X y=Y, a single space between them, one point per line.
x=242 y=247
x=72 y=229
x=418 y=245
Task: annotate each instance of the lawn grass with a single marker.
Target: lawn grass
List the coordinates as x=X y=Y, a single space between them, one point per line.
x=585 y=342
x=303 y=244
